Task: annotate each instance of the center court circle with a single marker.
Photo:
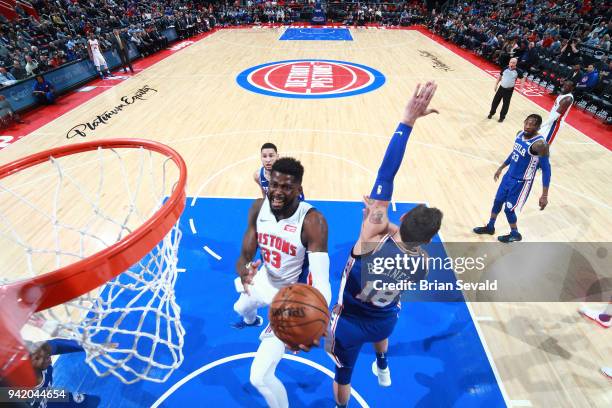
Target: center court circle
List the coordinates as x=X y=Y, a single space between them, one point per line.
x=310 y=79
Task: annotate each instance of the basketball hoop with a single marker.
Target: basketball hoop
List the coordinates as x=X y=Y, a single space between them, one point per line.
x=115 y=293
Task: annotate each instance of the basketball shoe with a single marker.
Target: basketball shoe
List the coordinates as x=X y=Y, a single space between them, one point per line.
x=384 y=376
x=597 y=316
x=241 y=324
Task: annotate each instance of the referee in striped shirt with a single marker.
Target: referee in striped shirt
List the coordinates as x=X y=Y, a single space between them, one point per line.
x=506 y=85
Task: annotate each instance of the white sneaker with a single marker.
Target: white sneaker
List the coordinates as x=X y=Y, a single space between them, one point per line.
x=384 y=376
x=594 y=316
x=607 y=371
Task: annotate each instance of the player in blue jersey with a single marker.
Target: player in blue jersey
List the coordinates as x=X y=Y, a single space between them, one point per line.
x=41 y=363
x=269 y=154
x=363 y=313
x=530 y=152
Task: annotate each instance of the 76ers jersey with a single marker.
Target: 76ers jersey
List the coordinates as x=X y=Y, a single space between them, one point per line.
x=358 y=296
x=523 y=164
x=263 y=181
x=280 y=243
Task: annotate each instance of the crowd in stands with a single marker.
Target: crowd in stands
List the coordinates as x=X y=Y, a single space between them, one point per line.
x=554 y=41
x=536 y=32
x=33 y=45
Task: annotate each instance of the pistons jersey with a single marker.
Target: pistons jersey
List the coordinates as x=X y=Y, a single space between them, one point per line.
x=523 y=164
x=265 y=183
x=280 y=244
x=358 y=295
x=94 y=45
x=550 y=131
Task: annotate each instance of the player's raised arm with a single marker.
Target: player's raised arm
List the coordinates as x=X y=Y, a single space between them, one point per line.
x=245 y=269
x=315 y=234
x=541 y=148
x=376 y=220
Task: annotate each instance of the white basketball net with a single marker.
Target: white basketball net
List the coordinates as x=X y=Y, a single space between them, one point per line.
x=130 y=327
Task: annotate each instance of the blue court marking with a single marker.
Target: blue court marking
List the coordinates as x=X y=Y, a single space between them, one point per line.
x=316 y=34
x=435 y=354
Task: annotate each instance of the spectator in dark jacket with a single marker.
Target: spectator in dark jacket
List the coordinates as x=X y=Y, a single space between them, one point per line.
x=569 y=52
x=18 y=70
x=120 y=45
x=7 y=114
x=529 y=57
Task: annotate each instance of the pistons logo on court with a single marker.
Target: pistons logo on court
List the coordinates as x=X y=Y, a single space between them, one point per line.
x=310 y=79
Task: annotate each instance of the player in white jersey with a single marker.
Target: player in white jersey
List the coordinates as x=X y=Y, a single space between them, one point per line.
x=559 y=111
x=95 y=55
x=292 y=239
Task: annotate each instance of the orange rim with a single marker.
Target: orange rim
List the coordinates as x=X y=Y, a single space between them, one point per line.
x=71 y=281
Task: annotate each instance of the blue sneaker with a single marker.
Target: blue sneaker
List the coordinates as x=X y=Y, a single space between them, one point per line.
x=506 y=239
x=484 y=230
x=241 y=324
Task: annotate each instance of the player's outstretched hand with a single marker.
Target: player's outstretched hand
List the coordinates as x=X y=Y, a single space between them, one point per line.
x=367 y=202
x=418 y=105
x=249 y=273
x=543 y=202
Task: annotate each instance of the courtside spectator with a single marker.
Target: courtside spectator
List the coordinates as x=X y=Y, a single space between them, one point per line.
x=43 y=91
x=31 y=66
x=6 y=78
x=7 y=114
x=588 y=81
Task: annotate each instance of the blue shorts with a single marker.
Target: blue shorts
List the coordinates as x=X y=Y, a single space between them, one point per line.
x=513 y=192
x=348 y=333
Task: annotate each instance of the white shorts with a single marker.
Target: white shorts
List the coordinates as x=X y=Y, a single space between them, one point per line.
x=98 y=59
x=262 y=289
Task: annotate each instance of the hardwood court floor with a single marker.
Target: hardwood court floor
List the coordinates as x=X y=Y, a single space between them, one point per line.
x=545 y=353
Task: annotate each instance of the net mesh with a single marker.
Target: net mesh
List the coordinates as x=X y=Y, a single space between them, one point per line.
x=80 y=204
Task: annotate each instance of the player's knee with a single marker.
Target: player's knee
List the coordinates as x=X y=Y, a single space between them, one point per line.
x=343 y=375
x=497 y=206
x=238 y=307
x=257 y=379
x=510 y=215
x=242 y=306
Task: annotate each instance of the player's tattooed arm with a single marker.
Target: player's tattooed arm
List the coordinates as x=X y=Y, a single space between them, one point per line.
x=249 y=244
x=375 y=219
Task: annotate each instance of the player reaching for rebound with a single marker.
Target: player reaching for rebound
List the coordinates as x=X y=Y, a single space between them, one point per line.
x=530 y=152
x=269 y=154
x=558 y=113
x=363 y=314
x=292 y=238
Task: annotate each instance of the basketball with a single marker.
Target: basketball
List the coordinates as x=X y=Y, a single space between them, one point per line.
x=299 y=315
